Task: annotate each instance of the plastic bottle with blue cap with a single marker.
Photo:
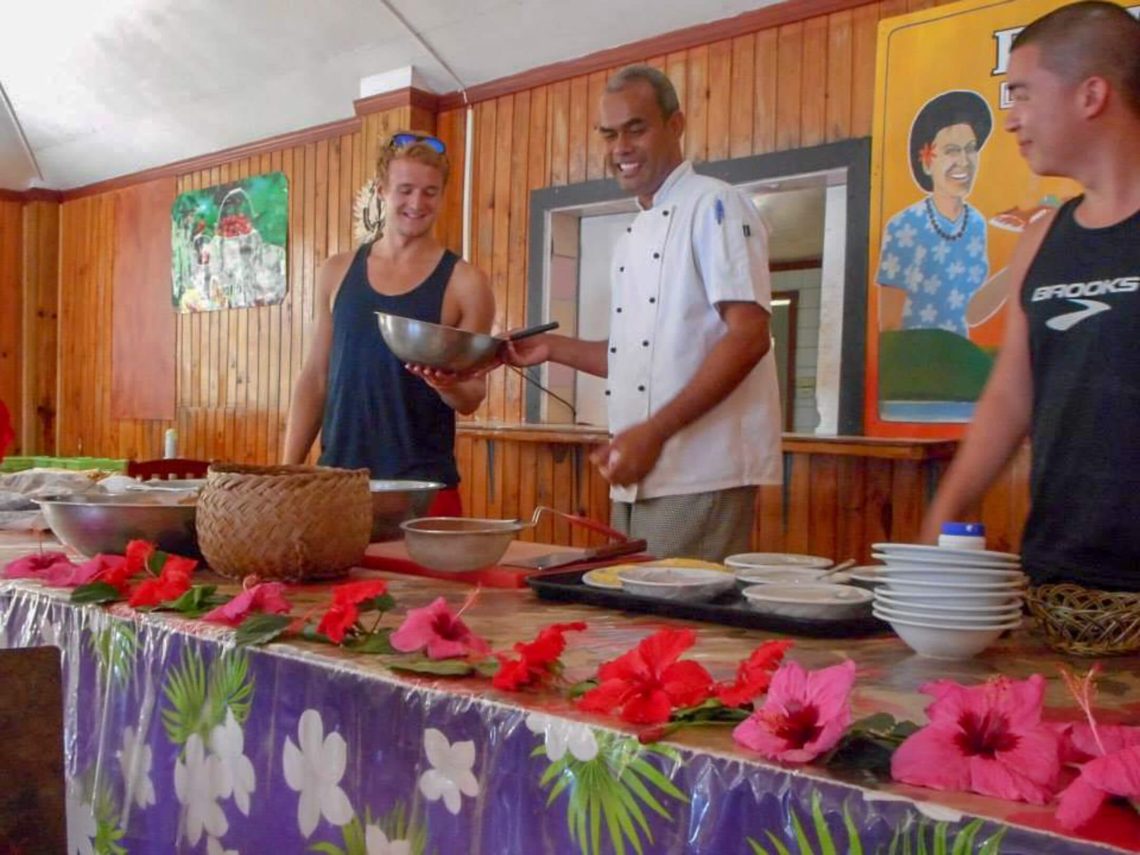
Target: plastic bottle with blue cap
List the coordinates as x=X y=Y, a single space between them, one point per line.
x=959 y=535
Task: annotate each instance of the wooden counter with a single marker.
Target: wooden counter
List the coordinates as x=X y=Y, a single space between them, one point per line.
x=840 y=493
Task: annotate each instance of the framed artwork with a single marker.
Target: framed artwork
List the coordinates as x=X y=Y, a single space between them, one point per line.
x=229 y=245
x=950 y=195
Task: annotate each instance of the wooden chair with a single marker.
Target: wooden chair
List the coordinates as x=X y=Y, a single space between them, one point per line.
x=166 y=468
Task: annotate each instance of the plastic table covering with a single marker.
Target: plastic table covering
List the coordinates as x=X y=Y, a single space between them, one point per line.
x=176 y=741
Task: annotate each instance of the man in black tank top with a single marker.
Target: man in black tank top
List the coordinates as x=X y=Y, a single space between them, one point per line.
x=371 y=410
x=1068 y=375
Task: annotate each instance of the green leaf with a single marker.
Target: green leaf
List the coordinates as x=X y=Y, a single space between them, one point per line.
x=801 y=835
x=261 y=628
x=185 y=691
x=156 y=562
x=383 y=603
x=488 y=667
x=854 y=843
x=230 y=688
x=964 y=839
x=757 y=849
x=95 y=593
x=993 y=845
x=579 y=689
x=822 y=832
x=424 y=665
x=373 y=642
x=327 y=849
x=195 y=602
x=781 y=849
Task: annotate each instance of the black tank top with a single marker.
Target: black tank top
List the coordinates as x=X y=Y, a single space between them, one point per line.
x=378 y=415
x=1082 y=299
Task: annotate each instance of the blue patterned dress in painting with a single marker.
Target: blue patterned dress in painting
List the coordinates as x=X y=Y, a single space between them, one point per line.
x=938 y=262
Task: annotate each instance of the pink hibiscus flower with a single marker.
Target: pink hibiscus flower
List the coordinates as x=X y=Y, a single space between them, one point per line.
x=437 y=630
x=266 y=597
x=804 y=714
x=42 y=566
x=987 y=739
x=648 y=683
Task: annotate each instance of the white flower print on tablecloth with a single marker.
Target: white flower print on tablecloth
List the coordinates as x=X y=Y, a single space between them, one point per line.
x=314 y=770
x=81 y=826
x=196 y=785
x=560 y=734
x=135 y=761
x=215 y=847
x=235 y=771
x=450 y=774
x=376 y=842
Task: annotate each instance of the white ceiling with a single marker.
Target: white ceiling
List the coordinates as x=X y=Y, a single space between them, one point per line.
x=108 y=87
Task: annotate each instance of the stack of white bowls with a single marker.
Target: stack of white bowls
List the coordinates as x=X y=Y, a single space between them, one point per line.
x=948 y=603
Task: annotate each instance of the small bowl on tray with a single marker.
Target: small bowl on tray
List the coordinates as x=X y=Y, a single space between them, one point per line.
x=675 y=583
x=817 y=601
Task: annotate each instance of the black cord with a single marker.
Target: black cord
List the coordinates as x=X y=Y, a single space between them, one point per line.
x=525 y=376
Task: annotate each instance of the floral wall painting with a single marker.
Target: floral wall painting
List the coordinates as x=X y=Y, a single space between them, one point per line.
x=229 y=244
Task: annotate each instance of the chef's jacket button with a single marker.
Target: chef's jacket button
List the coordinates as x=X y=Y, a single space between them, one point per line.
x=613 y=350
x=629 y=229
x=652 y=299
x=645 y=344
x=664 y=213
x=656 y=255
x=621 y=269
x=619 y=310
x=640 y=388
x=607 y=393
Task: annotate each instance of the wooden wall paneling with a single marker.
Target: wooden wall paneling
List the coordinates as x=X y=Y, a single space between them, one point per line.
x=450 y=128
x=564 y=481
x=813 y=83
x=559 y=124
x=40 y=272
x=677 y=68
x=12 y=315
x=769 y=534
x=878 y=509
x=822 y=518
x=480 y=482
x=766 y=60
x=864 y=41
x=513 y=309
x=498 y=265
x=907 y=496
x=578 y=125
x=789 y=91
x=595 y=145
x=839 y=79
x=526 y=485
x=696 y=104
x=742 y=97
x=544 y=483
x=720 y=100
x=851 y=486
x=496 y=487
x=797 y=508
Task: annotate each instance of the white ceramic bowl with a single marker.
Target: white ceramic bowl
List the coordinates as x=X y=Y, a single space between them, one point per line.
x=675 y=583
x=935 y=615
x=953 y=604
x=950 y=574
x=939 y=641
x=901 y=551
x=744 y=560
x=816 y=601
x=777 y=575
x=995 y=593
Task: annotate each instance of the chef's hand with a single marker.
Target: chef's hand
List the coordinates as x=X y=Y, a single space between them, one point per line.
x=629 y=456
x=526 y=351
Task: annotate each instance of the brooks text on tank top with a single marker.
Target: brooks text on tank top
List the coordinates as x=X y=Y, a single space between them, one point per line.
x=378 y=415
x=1081 y=297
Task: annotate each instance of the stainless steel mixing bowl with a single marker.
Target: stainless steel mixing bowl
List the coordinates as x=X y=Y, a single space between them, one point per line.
x=449 y=348
x=396 y=501
x=107 y=523
x=457 y=544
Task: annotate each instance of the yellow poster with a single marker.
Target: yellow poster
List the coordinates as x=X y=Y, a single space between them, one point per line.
x=950 y=195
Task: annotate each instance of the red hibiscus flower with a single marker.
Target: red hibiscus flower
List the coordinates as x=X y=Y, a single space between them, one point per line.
x=343 y=614
x=171 y=583
x=266 y=598
x=437 y=631
x=138 y=556
x=648 y=683
x=987 y=739
x=804 y=714
x=536 y=658
x=115 y=570
x=753 y=676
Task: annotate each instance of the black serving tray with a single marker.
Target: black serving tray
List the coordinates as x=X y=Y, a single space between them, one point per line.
x=730 y=608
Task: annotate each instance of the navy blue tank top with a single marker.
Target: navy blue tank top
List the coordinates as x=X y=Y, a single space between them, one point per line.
x=378 y=415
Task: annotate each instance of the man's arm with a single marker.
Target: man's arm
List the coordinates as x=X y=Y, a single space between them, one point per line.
x=308 y=404
x=579 y=354
x=469 y=304
x=1002 y=418
x=633 y=453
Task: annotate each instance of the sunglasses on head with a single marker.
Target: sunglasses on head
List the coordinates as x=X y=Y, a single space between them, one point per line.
x=401 y=140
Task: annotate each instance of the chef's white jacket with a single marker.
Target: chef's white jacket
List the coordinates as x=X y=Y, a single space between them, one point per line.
x=701 y=243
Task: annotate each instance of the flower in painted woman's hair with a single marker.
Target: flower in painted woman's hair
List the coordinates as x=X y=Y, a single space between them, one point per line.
x=646 y=684
x=753 y=675
x=264 y=597
x=987 y=739
x=344 y=612
x=536 y=658
x=439 y=632
x=804 y=714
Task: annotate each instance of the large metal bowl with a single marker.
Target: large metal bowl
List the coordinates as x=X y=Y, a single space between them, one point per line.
x=458 y=544
x=97 y=523
x=449 y=348
x=393 y=502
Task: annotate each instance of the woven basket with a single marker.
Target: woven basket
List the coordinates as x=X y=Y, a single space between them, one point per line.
x=1085 y=621
x=286 y=523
